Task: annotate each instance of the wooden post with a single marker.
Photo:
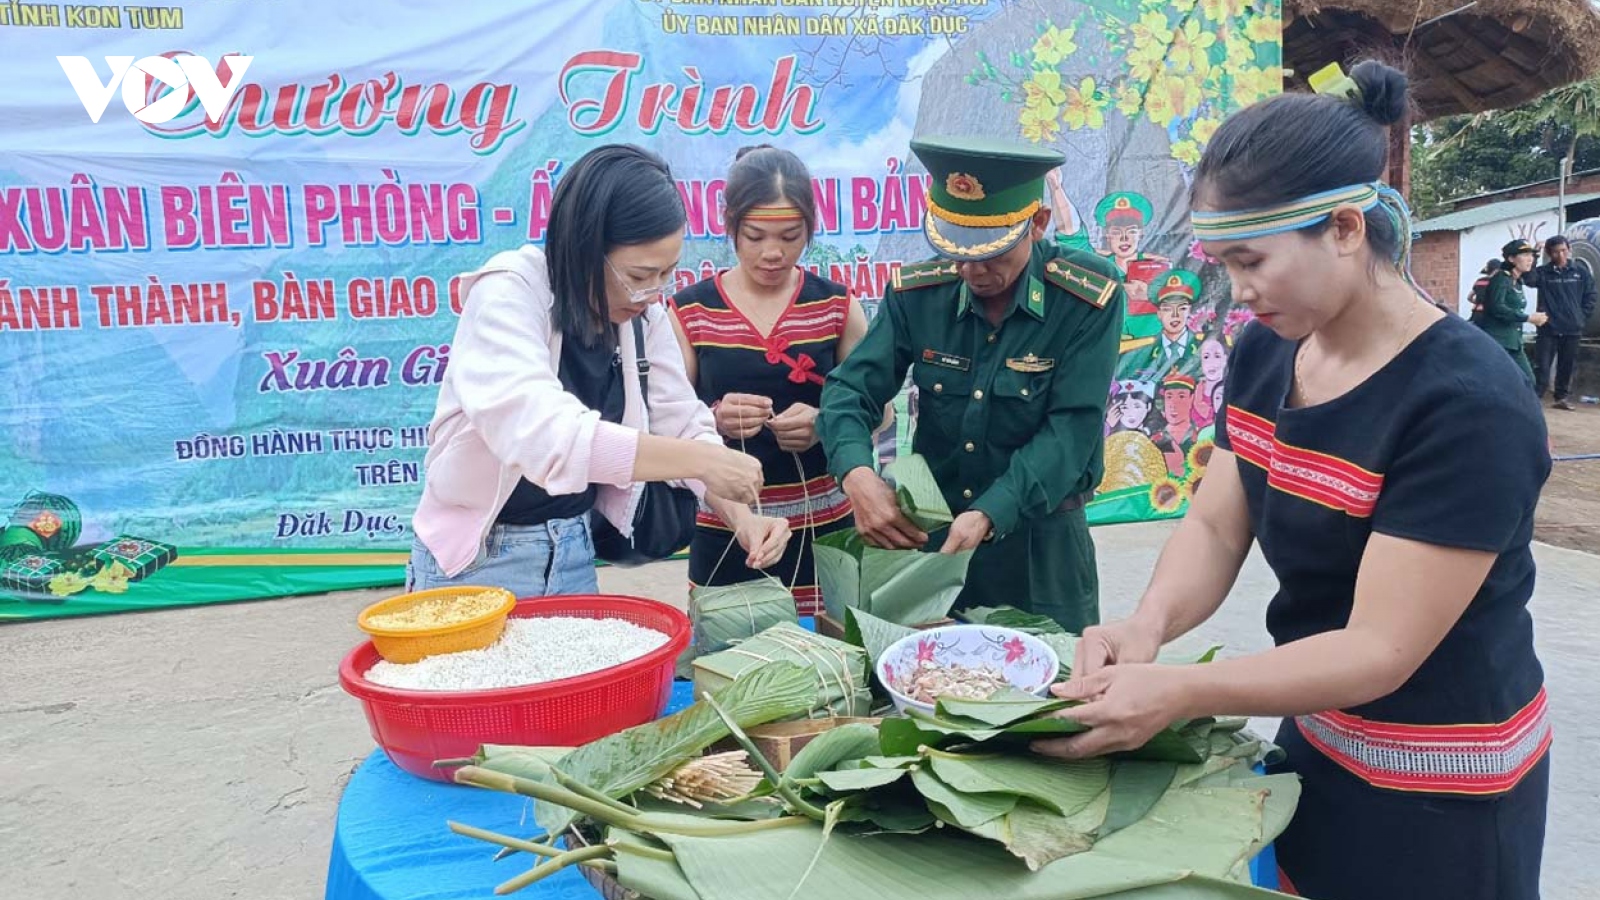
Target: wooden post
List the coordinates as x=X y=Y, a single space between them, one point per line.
x=1399 y=174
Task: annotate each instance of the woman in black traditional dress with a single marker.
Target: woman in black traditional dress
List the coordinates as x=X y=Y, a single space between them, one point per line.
x=759 y=339
x=1387 y=458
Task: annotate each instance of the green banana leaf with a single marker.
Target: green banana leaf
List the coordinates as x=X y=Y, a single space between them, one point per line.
x=1085 y=829
x=887 y=813
x=1040 y=837
x=1011 y=617
x=918 y=492
x=726 y=614
x=1063 y=786
x=1208 y=830
x=906 y=587
x=911 y=587
x=650 y=877
x=890 y=762
x=1136 y=787
x=1001 y=708
x=797 y=864
x=524 y=762
x=866 y=779
x=837 y=557
x=827 y=750
x=1188 y=742
x=964 y=809
x=1066 y=647
x=871 y=633
x=619 y=764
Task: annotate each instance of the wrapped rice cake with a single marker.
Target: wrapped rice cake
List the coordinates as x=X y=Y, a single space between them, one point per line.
x=140 y=556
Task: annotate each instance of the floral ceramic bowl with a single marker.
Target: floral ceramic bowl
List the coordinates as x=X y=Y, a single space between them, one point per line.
x=1026 y=663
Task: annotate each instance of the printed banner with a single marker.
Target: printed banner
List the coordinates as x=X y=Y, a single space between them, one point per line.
x=230 y=235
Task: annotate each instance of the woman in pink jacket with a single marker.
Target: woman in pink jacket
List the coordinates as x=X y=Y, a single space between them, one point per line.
x=540 y=419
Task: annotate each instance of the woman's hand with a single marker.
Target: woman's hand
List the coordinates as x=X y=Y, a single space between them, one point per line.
x=796 y=428
x=729 y=474
x=1120 y=643
x=1124 y=706
x=742 y=415
x=764 y=538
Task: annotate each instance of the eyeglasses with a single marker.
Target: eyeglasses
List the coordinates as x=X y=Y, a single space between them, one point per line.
x=642 y=296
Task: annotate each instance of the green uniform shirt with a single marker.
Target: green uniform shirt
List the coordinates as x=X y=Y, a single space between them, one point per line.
x=1152 y=362
x=1505 y=309
x=1011 y=419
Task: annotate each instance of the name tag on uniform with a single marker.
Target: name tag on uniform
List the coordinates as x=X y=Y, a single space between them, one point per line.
x=1030 y=363
x=946 y=360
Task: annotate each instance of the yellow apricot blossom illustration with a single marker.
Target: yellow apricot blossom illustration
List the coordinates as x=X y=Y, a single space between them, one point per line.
x=1085 y=106
x=1181 y=65
x=1054 y=46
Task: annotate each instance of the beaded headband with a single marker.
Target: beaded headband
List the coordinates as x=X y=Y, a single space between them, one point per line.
x=773 y=213
x=1291 y=216
x=1312 y=210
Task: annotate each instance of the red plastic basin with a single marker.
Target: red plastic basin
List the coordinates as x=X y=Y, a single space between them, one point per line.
x=415 y=728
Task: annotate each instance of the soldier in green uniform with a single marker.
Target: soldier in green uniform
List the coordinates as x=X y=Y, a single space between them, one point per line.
x=1505 y=306
x=1011 y=342
x=1175 y=348
x=1122 y=217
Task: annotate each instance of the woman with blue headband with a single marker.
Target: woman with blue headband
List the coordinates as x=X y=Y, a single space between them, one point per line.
x=1354 y=451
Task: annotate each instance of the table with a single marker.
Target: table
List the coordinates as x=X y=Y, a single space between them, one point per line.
x=390 y=841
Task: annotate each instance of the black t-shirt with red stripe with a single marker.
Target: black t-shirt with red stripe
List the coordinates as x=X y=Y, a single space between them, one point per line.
x=1444 y=445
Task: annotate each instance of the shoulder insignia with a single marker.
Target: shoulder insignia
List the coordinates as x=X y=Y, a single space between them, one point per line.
x=1087 y=285
x=924 y=274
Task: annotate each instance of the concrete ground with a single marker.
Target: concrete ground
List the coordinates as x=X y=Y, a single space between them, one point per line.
x=1569 y=505
x=199 y=754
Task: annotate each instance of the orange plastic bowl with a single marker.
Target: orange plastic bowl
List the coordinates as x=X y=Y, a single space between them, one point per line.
x=409 y=645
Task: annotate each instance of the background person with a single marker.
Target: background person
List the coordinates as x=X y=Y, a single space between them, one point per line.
x=1505 y=305
x=1567 y=297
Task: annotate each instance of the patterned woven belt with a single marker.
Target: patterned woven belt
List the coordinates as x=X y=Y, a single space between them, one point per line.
x=824 y=507
x=1448 y=759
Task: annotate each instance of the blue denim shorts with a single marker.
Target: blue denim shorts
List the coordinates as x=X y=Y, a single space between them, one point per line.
x=527 y=560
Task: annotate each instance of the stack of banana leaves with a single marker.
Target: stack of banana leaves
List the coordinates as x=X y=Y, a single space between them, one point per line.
x=943 y=806
x=908 y=587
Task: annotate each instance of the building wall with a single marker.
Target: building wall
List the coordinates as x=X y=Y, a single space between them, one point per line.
x=1435 y=261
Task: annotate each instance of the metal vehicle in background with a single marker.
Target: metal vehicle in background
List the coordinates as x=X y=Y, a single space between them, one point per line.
x=1584 y=237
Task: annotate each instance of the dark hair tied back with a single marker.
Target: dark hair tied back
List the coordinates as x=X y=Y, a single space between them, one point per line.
x=1383 y=92
x=1296 y=145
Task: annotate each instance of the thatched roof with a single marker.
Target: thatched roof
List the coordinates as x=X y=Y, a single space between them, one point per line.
x=1490 y=54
